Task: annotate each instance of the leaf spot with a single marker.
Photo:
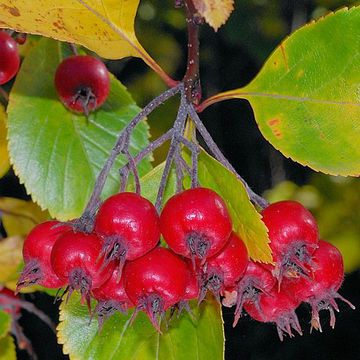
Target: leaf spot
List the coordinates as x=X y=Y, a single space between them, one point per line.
x=274 y=125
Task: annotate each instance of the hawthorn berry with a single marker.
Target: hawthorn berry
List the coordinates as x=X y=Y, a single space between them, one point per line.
x=111 y=297
x=196 y=223
x=256 y=281
x=9 y=57
x=294 y=236
x=75 y=260
x=82 y=83
x=276 y=307
x=321 y=289
x=129 y=227
x=37 y=252
x=155 y=282
x=223 y=270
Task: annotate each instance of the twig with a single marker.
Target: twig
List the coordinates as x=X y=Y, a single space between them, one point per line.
x=85 y=222
x=73 y=49
x=178 y=128
x=255 y=198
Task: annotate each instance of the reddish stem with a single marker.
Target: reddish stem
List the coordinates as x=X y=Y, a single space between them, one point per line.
x=192 y=78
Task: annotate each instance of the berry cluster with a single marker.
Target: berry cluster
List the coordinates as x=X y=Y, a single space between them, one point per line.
x=121 y=264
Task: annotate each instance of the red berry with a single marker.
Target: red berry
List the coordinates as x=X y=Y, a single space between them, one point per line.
x=255 y=282
x=75 y=259
x=321 y=289
x=9 y=57
x=196 y=223
x=155 y=282
x=20 y=38
x=192 y=289
x=82 y=83
x=294 y=236
x=111 y=296
x=36 y=252
x=129 y=225
x=6 y=301
x=224 y=270
x=276 y=307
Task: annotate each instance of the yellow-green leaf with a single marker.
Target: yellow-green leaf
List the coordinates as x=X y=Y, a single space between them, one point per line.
x=106 y=26
x=5 y=322
x=4 y=156
x=306 y=98
x=10 y=259
x=7 y=348
x=246 y=220
x=20 y=216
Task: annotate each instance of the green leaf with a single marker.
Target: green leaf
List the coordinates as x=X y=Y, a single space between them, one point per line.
x=7 y=348
x=184 y=339
x=306 y=98
x=150 y=183
x=5 y=323
x=56 y=153
x=246 y=220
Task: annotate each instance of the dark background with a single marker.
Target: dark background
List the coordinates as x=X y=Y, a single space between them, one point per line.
x=229 y=59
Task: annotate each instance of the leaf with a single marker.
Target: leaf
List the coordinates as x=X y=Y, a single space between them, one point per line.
x=184 y=339
x=7 y=348
x=246 y=220
x=215 y=12
x=57 y=154
x=306 y=98
x=150 y=183
x=5 y=323
x=10 y=259
x=106 y=26
x=4 y=156
x=20 y=216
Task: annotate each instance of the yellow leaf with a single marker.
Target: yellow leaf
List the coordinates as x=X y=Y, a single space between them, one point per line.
x=4 y=156
x=215 y=12
x=103 y=26
x=20 y=216
x=10 y=258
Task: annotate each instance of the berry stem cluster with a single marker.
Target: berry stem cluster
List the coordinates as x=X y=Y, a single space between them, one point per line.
x=177 y=138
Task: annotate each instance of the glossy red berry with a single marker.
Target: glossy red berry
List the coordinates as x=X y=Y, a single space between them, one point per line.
x=111 y=297
x=6 y=301
x=128 y=225
x=321 y=289
x=255 y=282
x=276 y=307
x=9 y=57
x=82 y=83
x=294 y=236
x=36 y=253
x=75 y=260
x=196 y=223
x=223 y=270
x=155 y=282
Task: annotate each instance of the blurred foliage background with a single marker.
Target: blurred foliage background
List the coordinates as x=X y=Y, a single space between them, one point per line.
x=230 y=58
